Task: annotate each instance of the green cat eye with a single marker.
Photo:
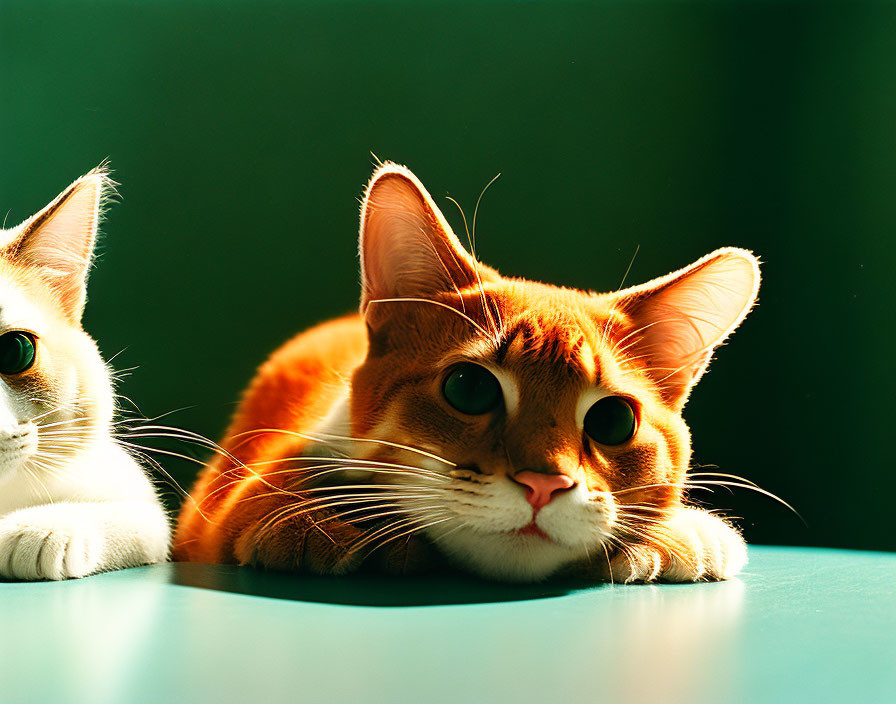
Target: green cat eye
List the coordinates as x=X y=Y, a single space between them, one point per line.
x=17 y=352
x=472 y=389
x=610 y=421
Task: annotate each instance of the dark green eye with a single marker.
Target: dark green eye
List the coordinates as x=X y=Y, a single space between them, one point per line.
x=610 y=421
x=16 y=352
x=472 y=389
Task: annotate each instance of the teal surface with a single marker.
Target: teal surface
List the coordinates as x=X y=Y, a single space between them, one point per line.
x=798 y=626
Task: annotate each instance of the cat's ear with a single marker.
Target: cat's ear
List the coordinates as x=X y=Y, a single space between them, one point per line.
x=678 y=320
x=58 y=241
x=407 y=248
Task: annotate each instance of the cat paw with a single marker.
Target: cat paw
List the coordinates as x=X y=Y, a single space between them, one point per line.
x=412 y=556
x=40 y=545
x=698 y=546
x=298 y=544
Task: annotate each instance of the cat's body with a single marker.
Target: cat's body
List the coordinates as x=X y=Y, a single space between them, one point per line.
x=72 y=500
x=514 y=429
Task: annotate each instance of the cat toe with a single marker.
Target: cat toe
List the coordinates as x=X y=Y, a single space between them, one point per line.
x=33 y=552
x=714 y=550
x=82 y=555
x=701 y=547
x=18 y=554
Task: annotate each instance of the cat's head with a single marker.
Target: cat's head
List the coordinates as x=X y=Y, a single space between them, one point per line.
x=55 y=392
x=545 y=422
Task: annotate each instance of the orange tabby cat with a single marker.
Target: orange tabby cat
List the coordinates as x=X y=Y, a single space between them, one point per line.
x=515 y=429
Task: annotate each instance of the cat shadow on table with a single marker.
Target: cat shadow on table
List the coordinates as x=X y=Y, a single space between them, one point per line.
x=365 y=589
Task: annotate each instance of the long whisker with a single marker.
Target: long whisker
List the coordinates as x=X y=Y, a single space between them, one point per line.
x=750 y=487
x=706 y=485
x=323 y=437
x=382 y=532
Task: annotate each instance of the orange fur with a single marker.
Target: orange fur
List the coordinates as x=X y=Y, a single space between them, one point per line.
x=427 y=305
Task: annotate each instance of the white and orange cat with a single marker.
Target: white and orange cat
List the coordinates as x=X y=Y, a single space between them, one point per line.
x=511 y=428
x=72 y=500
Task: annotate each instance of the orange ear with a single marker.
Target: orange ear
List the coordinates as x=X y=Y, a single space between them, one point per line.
x=679 y=319
x=407 y=248
x=58 y=241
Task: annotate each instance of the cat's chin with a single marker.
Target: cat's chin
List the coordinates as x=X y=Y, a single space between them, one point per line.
x=519 y=556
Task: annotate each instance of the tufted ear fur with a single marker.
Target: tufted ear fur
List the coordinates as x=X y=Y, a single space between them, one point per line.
x=682 y=317
x=58 y=241
x=407 y=247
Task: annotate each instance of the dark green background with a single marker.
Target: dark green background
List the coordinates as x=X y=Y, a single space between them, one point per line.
x=241 y=135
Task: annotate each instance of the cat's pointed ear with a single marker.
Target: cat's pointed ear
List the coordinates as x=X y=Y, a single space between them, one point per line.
x=678 y=320
x=407 y=247
x=58 y=241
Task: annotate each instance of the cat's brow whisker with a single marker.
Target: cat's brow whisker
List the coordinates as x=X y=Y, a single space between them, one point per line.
x=492 y=317
x=453 y=284
x=439 y=259
x=496 y=327
x=609 y=320
x=463 y=315
x=640 y=329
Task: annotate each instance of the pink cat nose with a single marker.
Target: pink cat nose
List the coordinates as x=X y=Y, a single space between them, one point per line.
x=542 y=487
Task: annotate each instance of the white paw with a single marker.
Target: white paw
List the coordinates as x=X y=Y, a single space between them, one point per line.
x=40 y=543
x=701 y=546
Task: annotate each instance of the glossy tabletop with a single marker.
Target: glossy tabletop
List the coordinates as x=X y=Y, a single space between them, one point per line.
x=798 y=626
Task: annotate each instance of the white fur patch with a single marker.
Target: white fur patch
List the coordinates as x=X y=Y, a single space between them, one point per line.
x=72 y=501
x=509 y=388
